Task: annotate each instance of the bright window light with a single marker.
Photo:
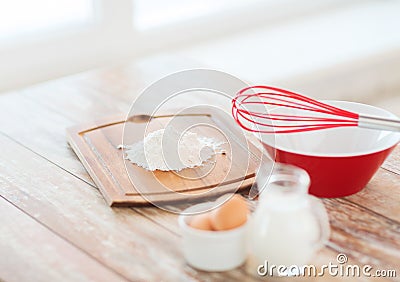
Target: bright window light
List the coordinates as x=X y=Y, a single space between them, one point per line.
x=20 y=17
x=153 y=13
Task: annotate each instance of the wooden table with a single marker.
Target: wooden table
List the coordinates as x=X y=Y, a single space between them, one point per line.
x=55 y=225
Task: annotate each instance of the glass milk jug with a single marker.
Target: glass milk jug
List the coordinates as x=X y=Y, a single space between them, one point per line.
x=288 y=225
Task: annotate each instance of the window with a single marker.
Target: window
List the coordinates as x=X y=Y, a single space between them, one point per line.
x=44 y=39
x=153 y=13
x=27 y=17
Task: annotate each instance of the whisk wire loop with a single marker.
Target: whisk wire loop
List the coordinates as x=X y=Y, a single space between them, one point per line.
x=281 y=122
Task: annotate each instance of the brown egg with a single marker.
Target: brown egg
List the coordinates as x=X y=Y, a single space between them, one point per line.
x=201 y=221
x=231 y=214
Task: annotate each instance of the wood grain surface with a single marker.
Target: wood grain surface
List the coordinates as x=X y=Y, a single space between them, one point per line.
x=39 y=250
x=56 y=226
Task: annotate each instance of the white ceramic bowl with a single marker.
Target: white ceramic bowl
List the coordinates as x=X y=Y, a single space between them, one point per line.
x=212 y=250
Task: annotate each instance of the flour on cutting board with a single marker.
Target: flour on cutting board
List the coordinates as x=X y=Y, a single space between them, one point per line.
x=167 y=149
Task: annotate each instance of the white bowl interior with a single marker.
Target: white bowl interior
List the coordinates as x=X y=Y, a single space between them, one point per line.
x=343 y=141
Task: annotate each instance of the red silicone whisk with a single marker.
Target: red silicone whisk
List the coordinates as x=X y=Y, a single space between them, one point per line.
x=289 y=112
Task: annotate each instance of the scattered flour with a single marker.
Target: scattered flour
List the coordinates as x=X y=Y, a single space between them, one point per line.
x=167 y=149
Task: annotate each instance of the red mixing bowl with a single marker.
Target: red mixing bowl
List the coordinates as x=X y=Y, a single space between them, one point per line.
x=340 y=161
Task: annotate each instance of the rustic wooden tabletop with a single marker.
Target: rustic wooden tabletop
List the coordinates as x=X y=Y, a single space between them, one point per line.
x=55 y=225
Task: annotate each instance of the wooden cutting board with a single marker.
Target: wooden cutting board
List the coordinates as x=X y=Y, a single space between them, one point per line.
x=125 y=184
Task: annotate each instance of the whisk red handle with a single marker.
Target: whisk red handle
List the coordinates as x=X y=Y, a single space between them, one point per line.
x=324 y=116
